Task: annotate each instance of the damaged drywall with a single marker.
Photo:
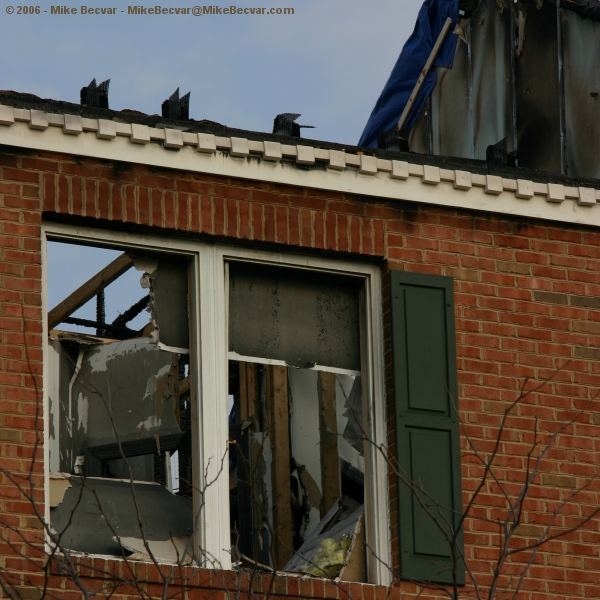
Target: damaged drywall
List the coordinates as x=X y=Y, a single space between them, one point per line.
x=175 y=550
x=168 y=306
x=126 y=390
x=94 y=510
x=301 y=318
x=59 y=484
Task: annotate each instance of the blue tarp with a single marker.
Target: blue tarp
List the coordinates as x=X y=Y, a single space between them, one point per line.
x=406 y=71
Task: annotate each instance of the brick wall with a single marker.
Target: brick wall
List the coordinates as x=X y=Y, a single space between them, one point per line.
x=527 y=304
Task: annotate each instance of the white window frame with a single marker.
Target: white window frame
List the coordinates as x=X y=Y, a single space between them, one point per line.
x=208 y=289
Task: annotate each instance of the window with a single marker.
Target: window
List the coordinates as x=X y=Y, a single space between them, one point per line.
x=270 y=364
x=119 y=402
x=296 y=437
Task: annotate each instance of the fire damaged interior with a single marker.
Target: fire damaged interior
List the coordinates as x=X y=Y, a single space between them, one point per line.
x=523 y=79
x=121 y=434
x=120 y=416
x=297 y=468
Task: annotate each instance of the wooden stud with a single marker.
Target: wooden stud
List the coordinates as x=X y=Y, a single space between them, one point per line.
x=279 y=433
x=88 y=290
x=329 y=442
x=248 y=390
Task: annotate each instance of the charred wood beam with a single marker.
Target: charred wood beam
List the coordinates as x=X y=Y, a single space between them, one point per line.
x=88 y=290
x=248 y=390
x=100 y=313
x=279 y=432
x=330 y=483
x=117 y=330
x=133 y=312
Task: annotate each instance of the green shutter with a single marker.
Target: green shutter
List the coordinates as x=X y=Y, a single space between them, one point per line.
x=427 y=427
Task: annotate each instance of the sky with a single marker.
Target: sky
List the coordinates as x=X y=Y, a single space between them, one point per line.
x=328 y=61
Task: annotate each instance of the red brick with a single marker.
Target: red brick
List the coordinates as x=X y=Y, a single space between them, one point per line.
x=342 y=233
x=63 y=194
x=207 y=215
x=159 y=216
x=378 y=238
x=170 y=209
x=194 y=187
x=194 y=210
x=153 y=181
x=281 y=217
x=79 y=170
x=256 y=222
x=24 y=203
x=294 y=227
x=103 y=199
x=228 y=191
x=319 y=229
x=308 y=202
x=143 y=206
x=354 y=234
x=10 y=188
x=269 y=197
x=269 y=217
x=90 y=198
x=20 y=175
x=182 y=211
x=76 y=189
x=116 y=202
x=331 y=237
x=346 y=208
x=219 y=216
x=366 y=237
x=130 y=204
x=306 y=228
x=232 y=218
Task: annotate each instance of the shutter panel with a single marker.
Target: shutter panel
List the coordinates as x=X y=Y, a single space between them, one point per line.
x=427 y=426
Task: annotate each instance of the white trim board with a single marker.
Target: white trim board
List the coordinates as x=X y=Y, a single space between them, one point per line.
x=209 y=369
x=322 y=169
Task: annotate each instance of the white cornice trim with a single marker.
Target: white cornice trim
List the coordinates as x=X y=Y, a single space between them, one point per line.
x=270 y=161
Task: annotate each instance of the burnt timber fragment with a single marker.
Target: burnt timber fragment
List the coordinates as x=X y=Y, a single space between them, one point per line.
x=88 y=290
x=95 y=95
x=285 y=124
x=175 y=107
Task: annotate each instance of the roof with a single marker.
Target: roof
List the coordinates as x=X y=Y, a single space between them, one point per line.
x=206 y=147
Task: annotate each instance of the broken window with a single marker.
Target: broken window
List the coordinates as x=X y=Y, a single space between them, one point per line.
x=297 y=466
x=120 y=435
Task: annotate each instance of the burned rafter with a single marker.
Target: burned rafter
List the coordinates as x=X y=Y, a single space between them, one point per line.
x=88 y=290
x=133 y=312
x=101 y=327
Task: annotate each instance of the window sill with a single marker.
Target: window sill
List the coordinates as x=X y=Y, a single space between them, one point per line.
x=124 y=572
